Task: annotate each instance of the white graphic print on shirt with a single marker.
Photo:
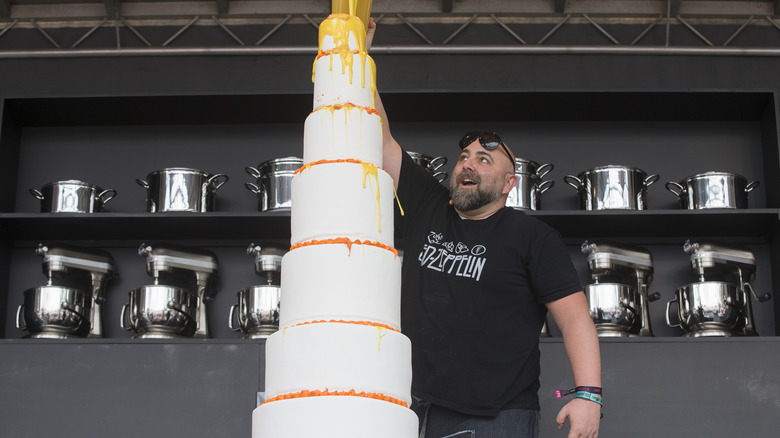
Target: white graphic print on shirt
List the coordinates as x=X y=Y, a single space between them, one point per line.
x=452 y=258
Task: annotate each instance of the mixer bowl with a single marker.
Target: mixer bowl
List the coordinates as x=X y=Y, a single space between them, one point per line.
x=55 y=311
x=165 y=311
x=257 y=311
x=706 y=306
x=613 y=306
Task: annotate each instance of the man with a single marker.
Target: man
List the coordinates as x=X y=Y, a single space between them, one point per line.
x=478 y=279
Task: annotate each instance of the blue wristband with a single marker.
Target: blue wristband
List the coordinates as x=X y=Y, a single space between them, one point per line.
x=588 y=396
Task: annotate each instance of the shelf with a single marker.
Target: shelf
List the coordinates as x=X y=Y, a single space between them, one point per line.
x=673 y=225
x=669 y=225
x=134 y=227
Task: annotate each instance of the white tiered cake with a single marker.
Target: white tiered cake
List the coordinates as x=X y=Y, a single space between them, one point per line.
x=339 y=365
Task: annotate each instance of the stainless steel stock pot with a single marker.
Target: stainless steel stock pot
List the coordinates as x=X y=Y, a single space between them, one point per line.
x=612 y=188
x=527 y=193
x=181 y=189
x=273 y=182
x=431 y=164
x=712 y=190
x=72 y=196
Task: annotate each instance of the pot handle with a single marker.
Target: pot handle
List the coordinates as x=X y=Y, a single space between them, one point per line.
x=437 y=162
x=651 y=179
x=440 y=176
x=123 y=318
x=749 y=188
x=544 y=169
x=109 y=195
x=142 y=183
x=573 y=181
x=761 y=299
x=232 y=318
x=253 y=172
x=37 y=194
x=214 y=181
x=19 y=319
x=545 y=186
x=675 y=188
x=254 y=188
x=668 y=314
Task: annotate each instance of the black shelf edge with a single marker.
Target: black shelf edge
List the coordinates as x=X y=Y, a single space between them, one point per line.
x=757 y=225
x=134 y=227
x=671 y=226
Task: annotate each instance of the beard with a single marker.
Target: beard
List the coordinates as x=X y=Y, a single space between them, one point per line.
x=468 y=199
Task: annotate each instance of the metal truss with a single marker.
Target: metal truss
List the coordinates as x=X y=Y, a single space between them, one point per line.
x=113 y=27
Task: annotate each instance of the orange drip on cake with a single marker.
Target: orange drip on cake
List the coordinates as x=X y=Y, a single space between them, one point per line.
x=345 y=241
x=341 y=321
x=351 y=392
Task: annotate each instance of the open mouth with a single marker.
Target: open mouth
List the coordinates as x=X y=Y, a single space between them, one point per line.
x=468 y=181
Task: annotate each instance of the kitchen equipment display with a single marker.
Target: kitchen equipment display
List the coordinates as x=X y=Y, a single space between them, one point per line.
x=618 y=298
x=712 y=190
x=257 y=311
x=612 y=188
x=181 y=189
x=431 y=164
x=527 y=192
x=72 y=196
x=720 y=303
x=273 y=182
x=176 y=304
x=73 y=309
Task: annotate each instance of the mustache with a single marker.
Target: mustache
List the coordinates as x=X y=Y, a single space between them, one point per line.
x=466 y=174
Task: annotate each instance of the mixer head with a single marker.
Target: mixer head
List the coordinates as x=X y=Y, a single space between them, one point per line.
x=708 y=257
x=611 y=258
x=267 y=258
x=175 y=259
x=60 y=260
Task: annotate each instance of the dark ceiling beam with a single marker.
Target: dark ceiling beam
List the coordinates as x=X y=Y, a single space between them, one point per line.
x=222 y=7
x=560 y=6
x=446 y=5
x=112 y=8
x=673 y=7
x=5 y=8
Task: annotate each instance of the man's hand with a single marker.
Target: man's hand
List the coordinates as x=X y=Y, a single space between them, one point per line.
x=370 y=33
x=584 y=417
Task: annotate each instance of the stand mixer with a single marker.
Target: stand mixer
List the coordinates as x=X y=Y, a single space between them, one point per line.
x=719 y=304
x=618 y=298
x=257 y=310
x=185 y=268
x=54 y=311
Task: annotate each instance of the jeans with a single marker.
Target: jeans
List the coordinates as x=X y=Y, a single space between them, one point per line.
x=440 y=422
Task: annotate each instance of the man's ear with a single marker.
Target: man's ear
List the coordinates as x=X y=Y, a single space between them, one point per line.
x=509 y=183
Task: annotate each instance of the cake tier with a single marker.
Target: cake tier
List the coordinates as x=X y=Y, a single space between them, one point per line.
x=343 y=131
x=339 y=357
x=342 y=199
x=333 y=417
x=342 y=78
x=338 y=282
x=341 y=32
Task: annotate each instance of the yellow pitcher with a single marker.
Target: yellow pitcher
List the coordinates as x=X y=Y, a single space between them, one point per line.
x=359 y=8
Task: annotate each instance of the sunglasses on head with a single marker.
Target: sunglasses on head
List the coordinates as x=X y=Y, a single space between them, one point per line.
x=488 y=140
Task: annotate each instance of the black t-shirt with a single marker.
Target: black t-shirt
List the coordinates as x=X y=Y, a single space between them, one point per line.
x=473 y=294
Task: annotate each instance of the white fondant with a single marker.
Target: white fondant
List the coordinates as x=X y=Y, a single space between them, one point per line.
x=338 y=200
x=346 y=132
x=338 y=357
x=333 y=83
x=358 y=284
x=333 y=417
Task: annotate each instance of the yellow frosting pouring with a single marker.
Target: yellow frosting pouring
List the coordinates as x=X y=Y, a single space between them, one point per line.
x=371 y=170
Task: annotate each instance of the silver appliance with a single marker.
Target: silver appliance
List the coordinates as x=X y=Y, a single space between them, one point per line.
x=257 y=310
x=186 y=268
x=68 y=310
x=618 y=297
x=720 y=303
